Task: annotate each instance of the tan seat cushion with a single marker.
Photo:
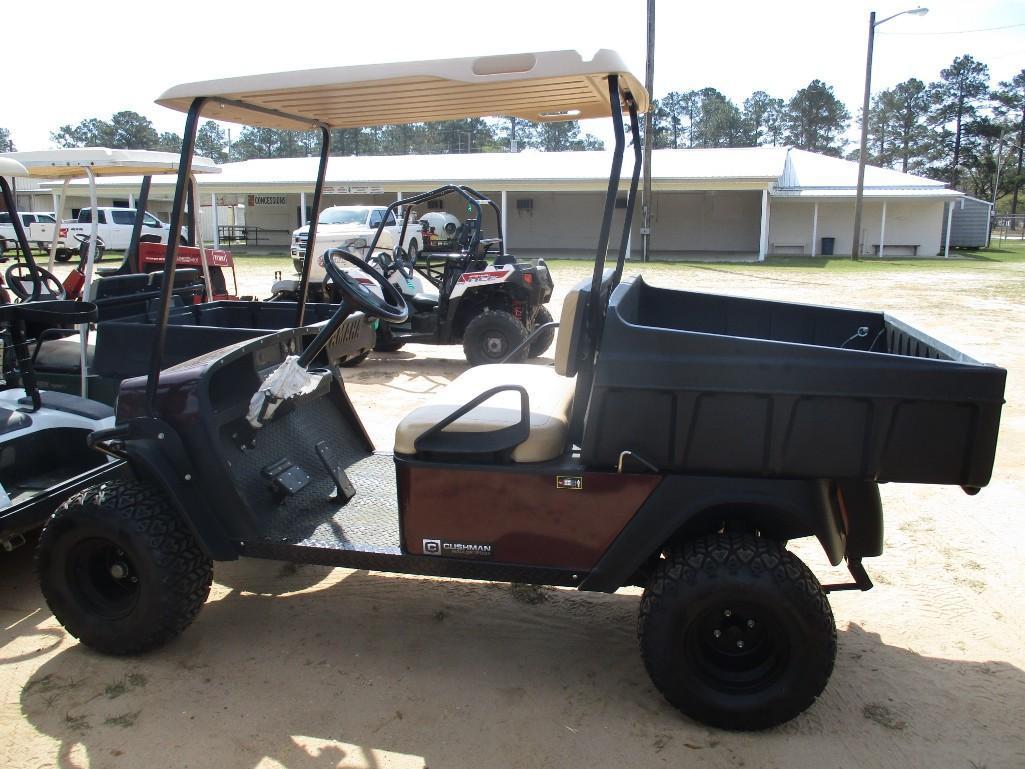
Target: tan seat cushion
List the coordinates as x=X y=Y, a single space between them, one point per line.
x=550 y=394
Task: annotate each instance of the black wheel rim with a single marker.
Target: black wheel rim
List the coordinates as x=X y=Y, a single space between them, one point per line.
x=103 y=577
x=736 y=647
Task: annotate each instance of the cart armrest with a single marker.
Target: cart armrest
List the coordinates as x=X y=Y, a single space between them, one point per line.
x=454 y=442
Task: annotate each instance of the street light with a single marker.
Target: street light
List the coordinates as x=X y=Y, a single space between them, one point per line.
x=872 y=24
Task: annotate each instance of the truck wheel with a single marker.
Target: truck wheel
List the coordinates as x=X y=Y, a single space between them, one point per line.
x=120 y=569
x=413 y=252
x=543 y=341
x=491 y=336
x=63 y=254
x=736 y=632
x=386 y=341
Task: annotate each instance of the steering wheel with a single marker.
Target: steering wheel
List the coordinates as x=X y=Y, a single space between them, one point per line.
x=392 y=308
x=401 y=261
x=20 y=275
x=83 y=241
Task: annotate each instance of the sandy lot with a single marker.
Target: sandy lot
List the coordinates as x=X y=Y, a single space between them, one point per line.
x=310 y=668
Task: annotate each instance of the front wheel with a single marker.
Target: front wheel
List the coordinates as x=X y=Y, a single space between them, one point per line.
x=120 y=569
x=413 y=252
x=736 y=632
x=62 y=254
x=491 y=336
x=355 y=360
x=386 y=341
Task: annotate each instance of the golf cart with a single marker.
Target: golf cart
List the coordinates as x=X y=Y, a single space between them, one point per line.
x=204 y=315
x=44 y=454
x=678 y=443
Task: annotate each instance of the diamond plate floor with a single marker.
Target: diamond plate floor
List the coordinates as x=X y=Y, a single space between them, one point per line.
x=368 y=522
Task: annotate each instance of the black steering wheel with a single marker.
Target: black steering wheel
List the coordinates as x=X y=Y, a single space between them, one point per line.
x=25 y=280
x=402 y=262
x=391 y=309
x=83 y=248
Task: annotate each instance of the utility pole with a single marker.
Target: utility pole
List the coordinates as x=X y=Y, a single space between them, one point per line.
x=649 y=84
x=863 y=152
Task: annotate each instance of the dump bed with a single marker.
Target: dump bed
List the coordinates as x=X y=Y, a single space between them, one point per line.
x=702 y=383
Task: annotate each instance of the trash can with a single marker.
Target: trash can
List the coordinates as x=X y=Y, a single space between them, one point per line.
x=827 y=246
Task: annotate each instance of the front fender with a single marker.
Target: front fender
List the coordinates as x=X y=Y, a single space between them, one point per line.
x=155 y=454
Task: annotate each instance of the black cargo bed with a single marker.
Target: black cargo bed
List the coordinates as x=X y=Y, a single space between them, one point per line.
x=715 y=384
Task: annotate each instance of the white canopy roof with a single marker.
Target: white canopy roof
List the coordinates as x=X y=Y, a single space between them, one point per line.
x=546 y=86
x=11 y=167
x=71 y=163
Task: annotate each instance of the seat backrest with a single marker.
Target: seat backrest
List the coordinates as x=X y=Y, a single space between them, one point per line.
x=108 y=286
x=183 y=276
x=572 y=324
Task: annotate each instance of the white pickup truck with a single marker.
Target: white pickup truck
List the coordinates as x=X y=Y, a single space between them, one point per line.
x=114 y=226
x=351 y=228
x=38 y=229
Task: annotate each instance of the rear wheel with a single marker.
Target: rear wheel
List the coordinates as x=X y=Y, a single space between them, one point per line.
x=491 y=336
x=63 y=254
x=542 y=341
x=736 y=632
x=413 y=252
x=120 y=569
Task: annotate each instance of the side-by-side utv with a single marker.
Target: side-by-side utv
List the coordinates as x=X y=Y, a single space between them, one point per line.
x=478 y=295
x=678 y=443
x=483 y=297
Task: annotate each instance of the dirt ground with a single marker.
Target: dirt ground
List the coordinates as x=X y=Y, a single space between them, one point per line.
x=309 y=668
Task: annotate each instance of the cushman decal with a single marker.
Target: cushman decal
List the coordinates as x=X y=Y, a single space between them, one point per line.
x=456 y=549
x=574 y=482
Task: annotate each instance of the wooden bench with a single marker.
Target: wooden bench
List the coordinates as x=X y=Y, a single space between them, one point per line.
x=896 y=249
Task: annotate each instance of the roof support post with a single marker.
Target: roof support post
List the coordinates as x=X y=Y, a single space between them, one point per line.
x=950 y=220
x=217 y=220
x=10 y=203
x=58 y=219
x=615 y=100
x=171 y=252
x=311 y=238
x=882 y=231
x=197 y=240
x=302 y=209
x=140 y=213
x=763 y=235
x=83 y=328
x=814 y=227
x=191 y=215
x=631 y=198
x=505 y=219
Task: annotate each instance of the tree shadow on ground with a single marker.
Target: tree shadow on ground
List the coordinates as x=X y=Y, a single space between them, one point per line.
x=377 y=671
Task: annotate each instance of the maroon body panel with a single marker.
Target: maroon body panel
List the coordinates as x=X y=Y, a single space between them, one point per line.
x=525 y=518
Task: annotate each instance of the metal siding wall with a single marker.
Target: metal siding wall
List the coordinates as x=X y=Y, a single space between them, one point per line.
x=969 y=227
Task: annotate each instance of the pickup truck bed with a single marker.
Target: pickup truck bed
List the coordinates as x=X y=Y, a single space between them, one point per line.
x=744 y=387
